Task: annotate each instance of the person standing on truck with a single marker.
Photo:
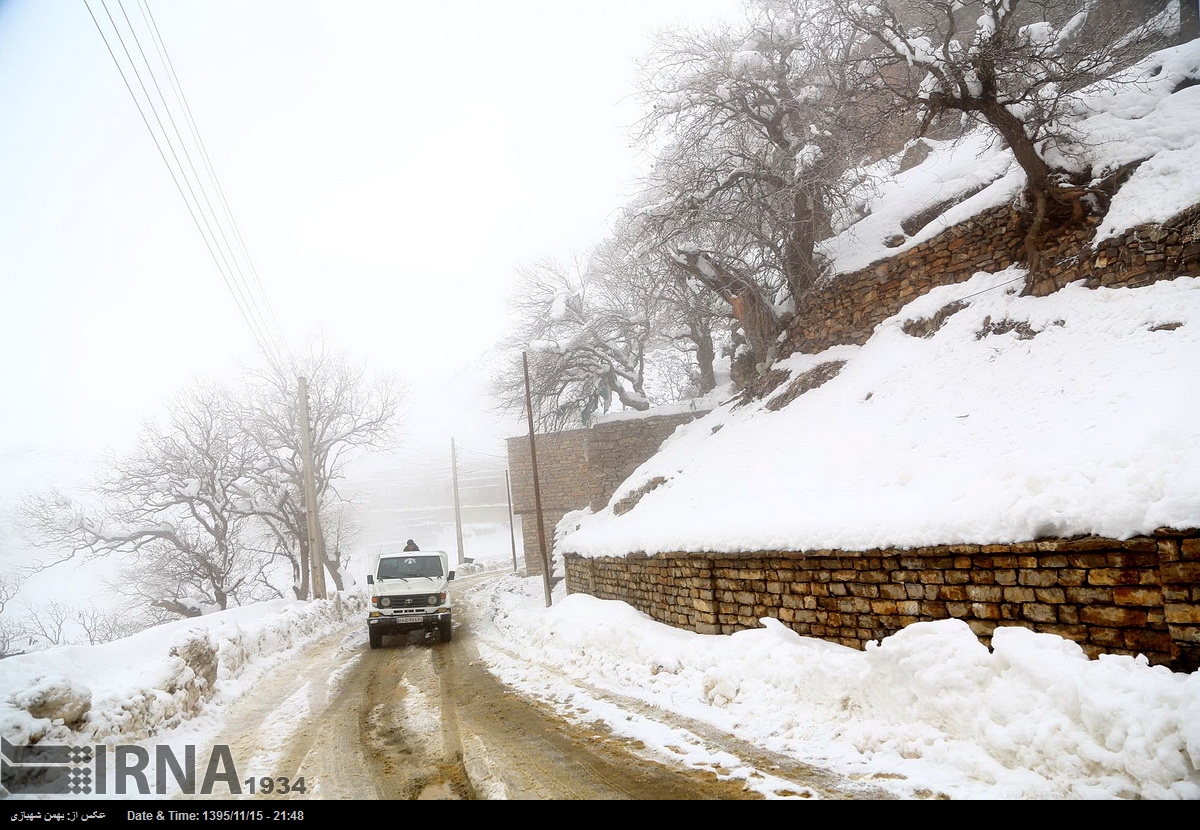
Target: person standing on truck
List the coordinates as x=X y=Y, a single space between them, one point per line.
x=410 y=545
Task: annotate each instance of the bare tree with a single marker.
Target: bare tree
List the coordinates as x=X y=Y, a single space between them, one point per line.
x=599 y=329
x=686 y=320
x=46 y=624
x=754 y=129
x=10 y=629
x=101 y=626
x=1012 y=66
x=348 y=411
x=170 y=509
x=341 y=532
x=585 y=346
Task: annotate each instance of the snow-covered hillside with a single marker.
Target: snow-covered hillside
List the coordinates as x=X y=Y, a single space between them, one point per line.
x=1019 y=418
x=1080 y=418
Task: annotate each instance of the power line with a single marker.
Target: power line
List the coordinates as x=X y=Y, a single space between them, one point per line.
x=487 y=454
x=992 y=288
x=247 y=296
x=266 y=336
x=437 y=448
x=148 y=16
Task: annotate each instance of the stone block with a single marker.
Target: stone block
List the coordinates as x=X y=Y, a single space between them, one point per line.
x=1178 y=613
x=1007 y=576
x=1038 y=578
x=1039 y=612
x=1089 y=596
x=1105 y=637
x=1102 y=615
x=1019 y=594
x=982 y=628
x=985 y=610
x=1071 y=576
x=1180 y=572
x=985 y=593
x=1143 y=596
x=1114 y=576
x=1186 y=634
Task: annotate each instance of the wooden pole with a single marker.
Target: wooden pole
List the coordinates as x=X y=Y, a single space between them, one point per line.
x=512 y=537
x=537 y=490
x=457 y=509
x=316 y=548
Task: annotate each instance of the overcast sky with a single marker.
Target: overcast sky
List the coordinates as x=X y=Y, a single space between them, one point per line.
x=388 y=165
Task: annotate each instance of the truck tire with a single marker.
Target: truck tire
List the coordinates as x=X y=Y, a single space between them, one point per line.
x=375 y=637
x=444 y=628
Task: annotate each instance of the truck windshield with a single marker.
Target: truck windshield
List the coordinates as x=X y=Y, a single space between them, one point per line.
x=405 y=567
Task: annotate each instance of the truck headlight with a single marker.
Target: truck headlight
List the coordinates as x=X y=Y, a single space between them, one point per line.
x=432 y=599
x=386 y=602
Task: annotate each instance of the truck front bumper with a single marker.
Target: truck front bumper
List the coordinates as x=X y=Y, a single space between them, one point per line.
x=401 y=621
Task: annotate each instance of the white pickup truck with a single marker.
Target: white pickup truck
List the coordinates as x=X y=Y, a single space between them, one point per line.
x=410 y=591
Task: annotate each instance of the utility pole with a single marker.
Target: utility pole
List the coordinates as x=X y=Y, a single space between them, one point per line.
x=537 y=490
x=457 y=509
x=316 y=545
x=512 y=538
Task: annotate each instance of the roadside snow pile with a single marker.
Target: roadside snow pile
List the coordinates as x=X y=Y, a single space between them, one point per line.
x=927 y=711
x=130 y=689
x=975 y=415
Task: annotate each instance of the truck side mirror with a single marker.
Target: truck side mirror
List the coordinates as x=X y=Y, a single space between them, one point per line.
x=370 y=579
x=451 y=576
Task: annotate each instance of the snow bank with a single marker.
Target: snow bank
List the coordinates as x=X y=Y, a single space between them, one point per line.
x=929 y=710
x=133 y=688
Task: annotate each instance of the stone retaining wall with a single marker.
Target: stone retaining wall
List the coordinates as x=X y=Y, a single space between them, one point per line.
x=847 y=308
x=1138 y=596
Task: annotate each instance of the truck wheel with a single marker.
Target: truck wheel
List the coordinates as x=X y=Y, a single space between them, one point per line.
x=444 y=629
x=375 y=637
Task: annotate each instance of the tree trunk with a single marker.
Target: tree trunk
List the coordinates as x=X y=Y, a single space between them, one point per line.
x=335 y=573
x=799 y=268
x=758 y=318
x=706 y=355
x=177 y=608
x=1189 y=20
x=1053 y=204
